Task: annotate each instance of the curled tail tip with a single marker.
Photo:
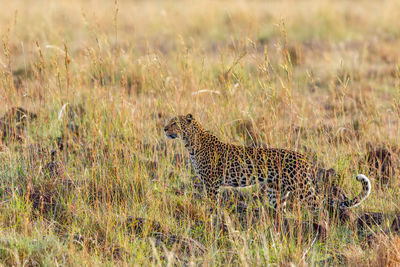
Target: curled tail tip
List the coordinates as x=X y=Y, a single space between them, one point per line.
x=366 y=191
x=366 y=184
x=361 y=177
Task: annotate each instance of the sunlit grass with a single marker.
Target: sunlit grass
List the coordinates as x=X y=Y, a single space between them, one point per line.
x=318 y=77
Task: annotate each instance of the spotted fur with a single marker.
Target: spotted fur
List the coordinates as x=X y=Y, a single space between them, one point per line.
x=282 y=172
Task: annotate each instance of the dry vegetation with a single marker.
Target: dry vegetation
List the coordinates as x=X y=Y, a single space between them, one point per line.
x=92 y=179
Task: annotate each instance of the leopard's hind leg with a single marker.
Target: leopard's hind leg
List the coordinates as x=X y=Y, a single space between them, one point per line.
x=276 y=200
x=311 y=199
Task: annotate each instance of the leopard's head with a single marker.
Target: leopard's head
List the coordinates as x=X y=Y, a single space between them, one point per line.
x=180 y=126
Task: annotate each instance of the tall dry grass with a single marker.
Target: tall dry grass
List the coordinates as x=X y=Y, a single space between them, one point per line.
x=319 y=77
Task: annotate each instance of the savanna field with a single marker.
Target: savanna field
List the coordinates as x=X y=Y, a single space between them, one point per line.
x=87 y=176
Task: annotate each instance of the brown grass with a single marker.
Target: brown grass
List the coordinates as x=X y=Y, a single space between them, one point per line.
x=319 y=77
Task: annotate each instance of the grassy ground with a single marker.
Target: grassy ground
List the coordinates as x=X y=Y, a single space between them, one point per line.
x=319 y=77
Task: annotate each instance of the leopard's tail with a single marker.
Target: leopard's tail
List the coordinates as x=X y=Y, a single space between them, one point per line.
x=366 y=190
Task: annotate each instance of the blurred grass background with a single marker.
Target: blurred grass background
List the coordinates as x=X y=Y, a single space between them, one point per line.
x=319 y=77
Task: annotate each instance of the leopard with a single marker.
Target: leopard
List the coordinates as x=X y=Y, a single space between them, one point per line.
x=284 y=174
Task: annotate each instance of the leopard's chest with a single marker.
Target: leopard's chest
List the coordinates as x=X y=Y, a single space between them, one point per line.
x=204 y=163
x=194 y=163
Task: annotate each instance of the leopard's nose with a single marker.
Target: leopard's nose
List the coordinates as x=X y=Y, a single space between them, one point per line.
x=165 y=129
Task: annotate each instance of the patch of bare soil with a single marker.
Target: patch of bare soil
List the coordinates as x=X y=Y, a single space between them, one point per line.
x=380 y=162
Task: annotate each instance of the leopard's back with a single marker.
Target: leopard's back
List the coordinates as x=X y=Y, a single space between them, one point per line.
x=277 y=168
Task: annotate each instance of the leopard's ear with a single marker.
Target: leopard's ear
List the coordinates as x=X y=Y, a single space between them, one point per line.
x=189 y=118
